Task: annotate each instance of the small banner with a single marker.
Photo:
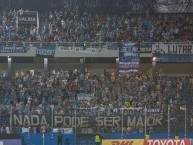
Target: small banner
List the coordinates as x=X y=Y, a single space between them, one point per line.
x=45 y=51
x=87 y=50
x=65 y=46
x=13 y=49
x=64 y=130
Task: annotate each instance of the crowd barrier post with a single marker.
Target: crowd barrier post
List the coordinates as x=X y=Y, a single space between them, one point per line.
x=28 y=121
x=145 y=120
x=43 y=138
x=75 y=122
x=52 y=120
x=45 y=66
x=122 y=121
x=9 y=73
x=98 y=111
x=185 y=122
x=168 y=121
x=11 y=119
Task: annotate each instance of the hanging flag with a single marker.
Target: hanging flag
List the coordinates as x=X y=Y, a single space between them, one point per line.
x=128 y=57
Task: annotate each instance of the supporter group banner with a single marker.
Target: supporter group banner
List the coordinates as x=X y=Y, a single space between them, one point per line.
x=13 y=49
x=81 y=47
x=174 y=57
x=167 y=142
x=172 y=48
x=85 y=120
x=122 y=142
x=150 y=49
x=85 y=50
x=146 y=50
x=128 y=57
x=45 y=51
x=88 y=47
x=65 y=47
x=173 y=52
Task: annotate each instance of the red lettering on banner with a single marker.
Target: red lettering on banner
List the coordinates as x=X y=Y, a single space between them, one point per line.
x=167 y=142
x=122 y=143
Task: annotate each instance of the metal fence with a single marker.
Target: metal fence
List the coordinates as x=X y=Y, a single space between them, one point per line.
x=170 y=119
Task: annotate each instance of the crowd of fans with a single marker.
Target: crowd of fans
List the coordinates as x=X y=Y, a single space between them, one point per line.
x=70 y=26
x=36 y=93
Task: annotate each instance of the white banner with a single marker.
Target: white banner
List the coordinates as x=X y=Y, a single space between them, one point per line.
x=65 y=46
x=25 y=130
x=64 y=130
x=68 y=130
x=172 y=48
x=87 y=50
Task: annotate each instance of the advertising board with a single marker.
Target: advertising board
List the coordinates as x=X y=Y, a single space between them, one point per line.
x=122 y=142
x=167 y=142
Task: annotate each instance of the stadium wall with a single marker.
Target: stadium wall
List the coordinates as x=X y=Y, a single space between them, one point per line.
x=186 y=68
x=97 y=56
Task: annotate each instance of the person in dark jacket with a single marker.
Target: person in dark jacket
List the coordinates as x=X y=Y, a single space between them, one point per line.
x=60 y=138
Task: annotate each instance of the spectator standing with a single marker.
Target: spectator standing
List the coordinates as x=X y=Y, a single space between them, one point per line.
x=97 y=139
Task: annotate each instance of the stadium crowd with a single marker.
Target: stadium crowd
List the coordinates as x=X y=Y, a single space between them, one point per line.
x=70 y=26
x=36 y=93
